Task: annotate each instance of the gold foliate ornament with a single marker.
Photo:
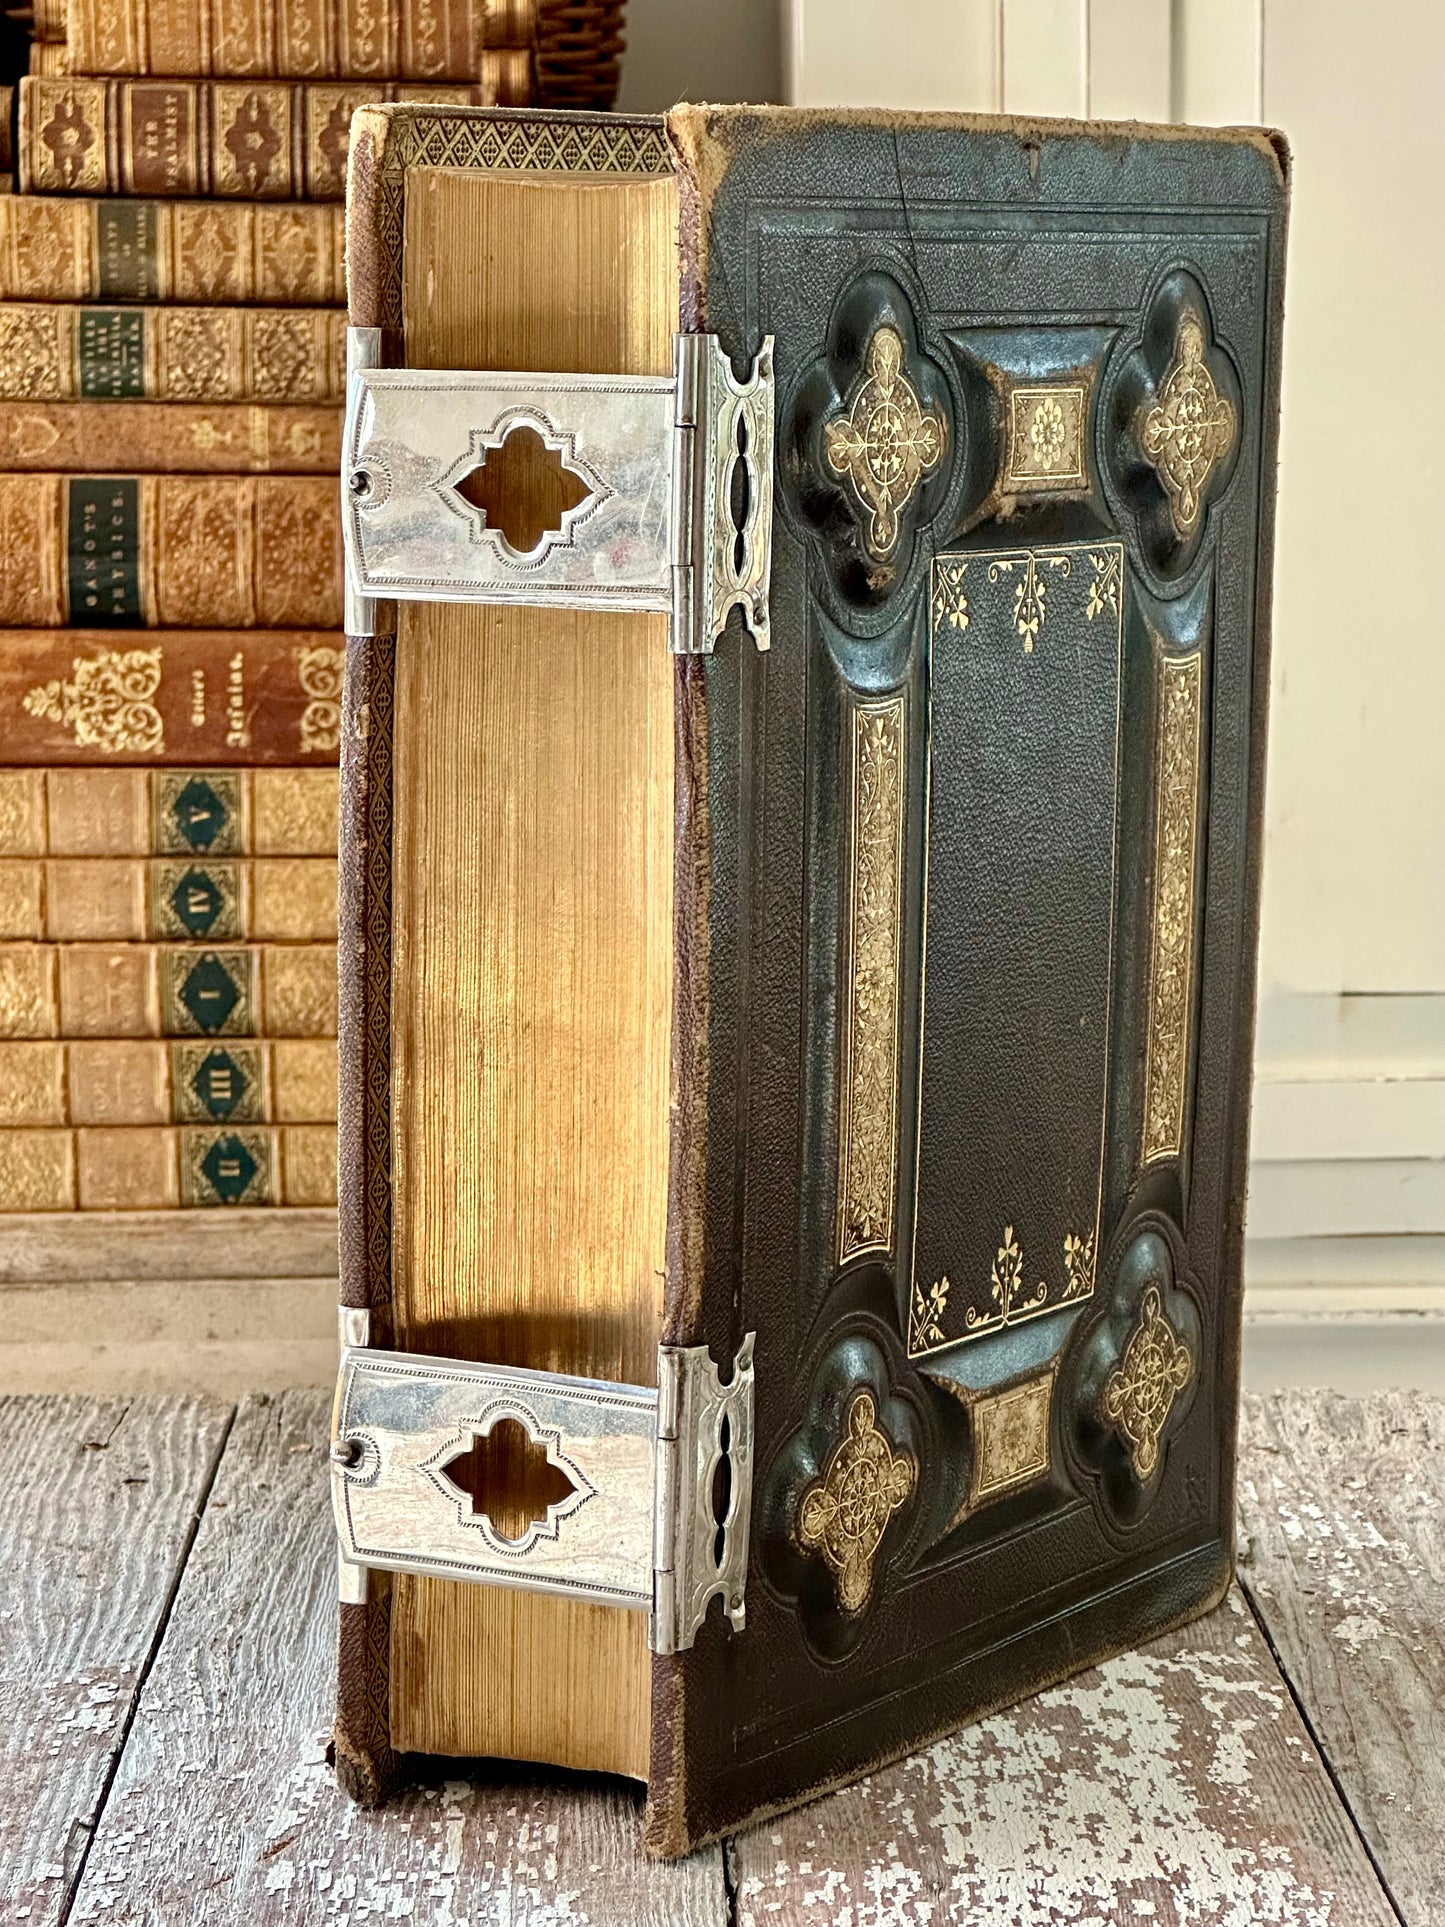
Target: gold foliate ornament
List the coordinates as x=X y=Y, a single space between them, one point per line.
x=844 y=1515
x=1189 y=429
x=884 y=443
x=1139 y=1393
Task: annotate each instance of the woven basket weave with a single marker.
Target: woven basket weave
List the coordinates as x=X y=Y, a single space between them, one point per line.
x=577 y=53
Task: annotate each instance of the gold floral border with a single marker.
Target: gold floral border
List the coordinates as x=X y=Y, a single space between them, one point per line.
x=1179 y=687
x=868 y=1120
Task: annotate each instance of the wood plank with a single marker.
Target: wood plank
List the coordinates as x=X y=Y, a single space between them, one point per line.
x=55 y=1247
x=1174 y=1785
x=1342 y=1518
x=1346 y=1197
x=219 y=1337
x=224 y=1809
x=100 y=1498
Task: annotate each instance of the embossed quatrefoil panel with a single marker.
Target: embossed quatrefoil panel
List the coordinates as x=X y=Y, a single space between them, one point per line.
x=1137 y=1373
x=867 y=444
x=509 y=1478
x=1172 y=424
x=523 y=487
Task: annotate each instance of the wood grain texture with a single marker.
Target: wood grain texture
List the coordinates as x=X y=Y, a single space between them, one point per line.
x=100 y=1496
x=146 y=1245
x=1175 y=1785
x=1342 y=1535
x=531 y=960
x=224 y=1808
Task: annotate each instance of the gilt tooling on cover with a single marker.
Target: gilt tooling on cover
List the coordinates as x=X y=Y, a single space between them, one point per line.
x=908 y=966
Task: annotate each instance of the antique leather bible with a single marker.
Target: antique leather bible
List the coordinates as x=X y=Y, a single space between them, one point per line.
x=808 y=592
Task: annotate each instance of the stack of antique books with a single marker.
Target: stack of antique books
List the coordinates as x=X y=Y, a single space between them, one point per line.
x=171 y=380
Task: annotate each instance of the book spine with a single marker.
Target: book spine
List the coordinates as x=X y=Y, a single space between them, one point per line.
x=256 y=141
x=137 y=1168
x=198 y=698
x=189 y=899
x=167 y=990
x=47 y=20
x=140 y=1081
x=305 y=39
x=203 y=551
x=213 y=253
x=228 y=439
x=208 y=813
x=57 y=352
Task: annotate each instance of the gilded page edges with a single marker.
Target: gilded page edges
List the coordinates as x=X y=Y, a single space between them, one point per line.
x=868 y=1121
x=1179 y=684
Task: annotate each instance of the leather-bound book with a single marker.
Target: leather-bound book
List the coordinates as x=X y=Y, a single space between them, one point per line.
x=58 y=352
x=235 y=438
x=206 y=813
x=172 y=899
x=142 y=1080
x=109 y=990
x=237 y=140
x=170 y=551
x=133 y=1168
x=189 y=696
x=233 y=252
x=307 y=39
x=801 y=769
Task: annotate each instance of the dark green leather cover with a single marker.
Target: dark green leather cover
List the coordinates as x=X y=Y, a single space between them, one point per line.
x=967 y=908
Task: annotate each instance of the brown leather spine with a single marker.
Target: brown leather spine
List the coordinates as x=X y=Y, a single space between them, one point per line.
x=269 y=141
x=57 y=352
x=56 y=249
x=352 y=40
x=238 y=439
x=185 y=697
x=183 y=551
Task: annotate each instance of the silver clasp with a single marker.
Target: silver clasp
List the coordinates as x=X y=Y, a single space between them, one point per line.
x=637 y=1527
x=674 y=475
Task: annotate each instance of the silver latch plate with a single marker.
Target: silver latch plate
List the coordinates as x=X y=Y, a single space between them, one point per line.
x=401 y=1417
x=639 y=1526
x=662 y=460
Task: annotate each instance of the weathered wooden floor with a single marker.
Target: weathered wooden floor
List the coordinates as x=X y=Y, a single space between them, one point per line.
x=166 y=1611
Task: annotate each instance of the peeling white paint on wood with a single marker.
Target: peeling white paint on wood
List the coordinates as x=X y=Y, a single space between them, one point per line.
x=224 y=1809
x=1173 y=1785
x=98 y=1498
x=1342 y=1512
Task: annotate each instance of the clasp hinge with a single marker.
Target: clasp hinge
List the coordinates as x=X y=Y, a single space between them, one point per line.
x=638 y=1525
x=671 y=479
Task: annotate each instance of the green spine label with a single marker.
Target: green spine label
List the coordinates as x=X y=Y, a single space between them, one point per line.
x=125 y=251
x=103 y=551
x=112 y=353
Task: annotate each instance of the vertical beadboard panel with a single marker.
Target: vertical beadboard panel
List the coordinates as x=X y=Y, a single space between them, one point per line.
x=923 y=54
x=1130 y=44
x=1045 y=57
x=1218 y=54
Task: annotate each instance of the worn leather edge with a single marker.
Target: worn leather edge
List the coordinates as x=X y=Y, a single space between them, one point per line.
x=703 y=136
x=1246 y=987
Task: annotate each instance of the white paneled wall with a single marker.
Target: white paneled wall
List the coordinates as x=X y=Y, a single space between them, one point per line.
x=1348 y=1175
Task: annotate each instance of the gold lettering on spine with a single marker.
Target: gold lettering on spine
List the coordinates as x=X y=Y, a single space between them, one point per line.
x=868 y=1124
x=1171 y=967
